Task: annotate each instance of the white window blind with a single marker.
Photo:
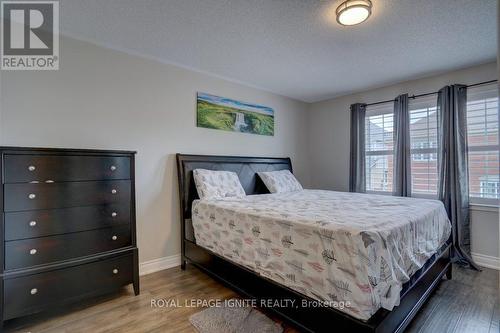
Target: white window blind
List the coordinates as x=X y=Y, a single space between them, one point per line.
x=379 y=145
x=483 y=143
x=423 y=146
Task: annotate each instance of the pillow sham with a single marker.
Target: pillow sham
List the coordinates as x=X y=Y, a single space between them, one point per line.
x=212 y=184
x=280 y=181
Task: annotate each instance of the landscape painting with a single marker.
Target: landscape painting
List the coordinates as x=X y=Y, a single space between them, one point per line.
x=231 y=115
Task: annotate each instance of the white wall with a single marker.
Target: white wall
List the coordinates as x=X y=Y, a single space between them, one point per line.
x=329 y=142
x=107 y=99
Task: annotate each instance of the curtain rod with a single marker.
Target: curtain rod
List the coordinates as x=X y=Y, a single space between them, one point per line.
x=431 y=93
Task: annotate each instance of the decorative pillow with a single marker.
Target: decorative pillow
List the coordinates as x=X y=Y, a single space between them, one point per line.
x=212 y=184
x=280 y=181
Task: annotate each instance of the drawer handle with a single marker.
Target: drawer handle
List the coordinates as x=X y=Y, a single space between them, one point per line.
x=112 y=168
x=32 y=223
x=49 y=181
x=32 y=196
x=115 y=271
x=114 y=191
x=31 y=168
x=33 y=291
x=114 y=237
x=113 y=214
x=33 y=251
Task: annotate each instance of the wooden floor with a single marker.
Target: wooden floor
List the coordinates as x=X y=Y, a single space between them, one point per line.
x=468 y=303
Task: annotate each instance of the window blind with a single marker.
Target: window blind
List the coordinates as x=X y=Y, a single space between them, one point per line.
x=379 y=145
x=423 y=146
x=483 y=143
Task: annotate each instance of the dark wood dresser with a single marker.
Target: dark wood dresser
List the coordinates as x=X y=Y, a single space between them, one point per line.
x=68 y=227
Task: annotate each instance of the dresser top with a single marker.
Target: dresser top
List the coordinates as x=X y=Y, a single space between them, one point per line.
x=64 y=150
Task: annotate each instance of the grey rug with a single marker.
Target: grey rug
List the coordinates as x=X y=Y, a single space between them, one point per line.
x=233 y=320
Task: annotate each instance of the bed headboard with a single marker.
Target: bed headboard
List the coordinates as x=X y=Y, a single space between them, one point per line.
x=245 y=167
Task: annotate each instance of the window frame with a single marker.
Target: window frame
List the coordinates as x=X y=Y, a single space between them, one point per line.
x=482 y=93
x=420 y=104
x=373 y=111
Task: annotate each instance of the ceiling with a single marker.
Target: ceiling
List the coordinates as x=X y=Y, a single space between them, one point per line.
x=293 y=47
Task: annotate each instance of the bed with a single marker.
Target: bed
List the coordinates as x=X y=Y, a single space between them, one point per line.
x=279 y=247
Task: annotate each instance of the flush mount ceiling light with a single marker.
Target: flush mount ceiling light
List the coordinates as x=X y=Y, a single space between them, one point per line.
x=352 y=12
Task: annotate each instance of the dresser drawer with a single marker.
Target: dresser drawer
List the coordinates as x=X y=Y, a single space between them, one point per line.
x=19 y=197
x=37 y=251
x=39 y=223
x=27 y=168
x=28 y=294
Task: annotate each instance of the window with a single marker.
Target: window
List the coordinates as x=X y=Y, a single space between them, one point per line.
x=379 y=146
x=489 y=188
x=421 y=157
x=423 y=146
x=482 y=135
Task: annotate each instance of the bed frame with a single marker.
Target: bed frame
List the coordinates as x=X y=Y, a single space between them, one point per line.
x=251 y=285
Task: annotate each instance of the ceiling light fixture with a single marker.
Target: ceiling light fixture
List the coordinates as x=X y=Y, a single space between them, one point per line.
x=352 y=12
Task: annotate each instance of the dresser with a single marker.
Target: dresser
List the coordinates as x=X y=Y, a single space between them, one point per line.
x=68 y=227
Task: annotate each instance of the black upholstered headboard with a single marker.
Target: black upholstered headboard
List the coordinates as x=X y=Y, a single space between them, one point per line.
x=245 y=167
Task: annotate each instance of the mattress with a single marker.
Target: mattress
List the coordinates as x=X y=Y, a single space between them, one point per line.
x=352 y=249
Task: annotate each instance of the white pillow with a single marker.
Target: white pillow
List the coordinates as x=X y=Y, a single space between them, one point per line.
x=280 y=181
x=212 y=184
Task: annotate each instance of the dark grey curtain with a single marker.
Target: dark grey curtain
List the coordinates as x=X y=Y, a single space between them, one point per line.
x=357 y=161
x=453 y=187
x=402 y=163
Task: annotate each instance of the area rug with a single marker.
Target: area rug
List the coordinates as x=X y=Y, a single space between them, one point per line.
x=226 y=319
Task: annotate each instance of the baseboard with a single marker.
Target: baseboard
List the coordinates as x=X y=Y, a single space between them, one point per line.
x=486 y=261
x=159 y=264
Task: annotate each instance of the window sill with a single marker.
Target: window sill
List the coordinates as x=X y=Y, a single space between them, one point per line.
x=484 y=208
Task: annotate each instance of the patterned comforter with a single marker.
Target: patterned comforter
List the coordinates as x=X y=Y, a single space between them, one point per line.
x=330 y=246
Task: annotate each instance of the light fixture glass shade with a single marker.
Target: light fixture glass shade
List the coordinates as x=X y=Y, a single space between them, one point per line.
x=352 y=12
